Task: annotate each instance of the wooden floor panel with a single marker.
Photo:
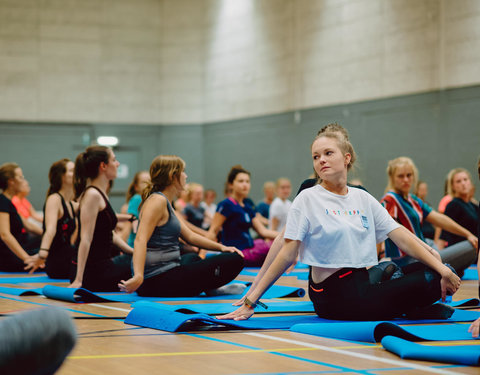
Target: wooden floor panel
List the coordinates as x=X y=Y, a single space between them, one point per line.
x=108 y=346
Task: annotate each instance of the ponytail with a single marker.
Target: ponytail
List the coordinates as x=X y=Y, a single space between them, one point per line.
x=57 y=171
x=86 y=166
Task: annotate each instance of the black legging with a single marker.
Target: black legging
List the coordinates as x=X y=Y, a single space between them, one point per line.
x=193 y=276
x=104 y=276
x=348 y=294
x=9 y=262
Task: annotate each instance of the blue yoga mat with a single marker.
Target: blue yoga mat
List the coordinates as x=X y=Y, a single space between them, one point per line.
x=30 y=279
x=463 y=355
x=84 y=295
x=225 y=308
x=470 y=274
x=20 y=291
x=171 y=321
x=375 y=331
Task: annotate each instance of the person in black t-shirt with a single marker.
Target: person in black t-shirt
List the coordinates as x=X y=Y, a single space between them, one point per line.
x=461 y=209
x=15 y=254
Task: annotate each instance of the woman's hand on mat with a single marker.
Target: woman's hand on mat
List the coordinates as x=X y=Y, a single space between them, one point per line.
x=32 y=263
x=76 y=284
x=242 y=313
x=449 y=283
x=475 y=328
x=131 y=285
x=231 y=249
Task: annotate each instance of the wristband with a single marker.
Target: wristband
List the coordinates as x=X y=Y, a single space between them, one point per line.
x=252 y=305
x=132 y=218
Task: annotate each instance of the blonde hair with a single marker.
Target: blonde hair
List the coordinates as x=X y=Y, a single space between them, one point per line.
x=394 y=164
x=451 y=175
x=280 y=180
x=163 y=172
x=191 y=187
x=338 y=132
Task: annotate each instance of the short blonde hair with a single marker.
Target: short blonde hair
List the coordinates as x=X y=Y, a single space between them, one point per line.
x=451 y=175
x=191 y=187
x=394 y=164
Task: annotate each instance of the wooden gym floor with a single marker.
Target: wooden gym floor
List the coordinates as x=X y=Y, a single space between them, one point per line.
x=106 y=345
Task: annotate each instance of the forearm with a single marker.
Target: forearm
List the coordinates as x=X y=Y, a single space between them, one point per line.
x=416 y=248
x=14 y=245
x=282 y=261
x=271 y=255
x=83 y=250
x=121 y=244
x=32 y=228
x=448 y=224
x=47 y=239
x=203 y=242
x=139 y=256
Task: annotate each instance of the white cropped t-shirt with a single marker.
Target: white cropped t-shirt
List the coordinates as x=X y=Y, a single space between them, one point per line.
x=338 y=230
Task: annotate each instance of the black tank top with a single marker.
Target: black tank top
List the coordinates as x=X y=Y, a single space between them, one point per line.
x=61 y=247
x=101 y=247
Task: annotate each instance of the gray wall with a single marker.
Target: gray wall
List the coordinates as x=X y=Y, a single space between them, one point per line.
x=439 y=130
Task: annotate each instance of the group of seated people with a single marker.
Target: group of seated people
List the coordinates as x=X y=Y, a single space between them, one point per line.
x=336 y=228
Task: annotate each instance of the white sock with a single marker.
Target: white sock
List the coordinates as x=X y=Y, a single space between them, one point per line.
x=234 y=288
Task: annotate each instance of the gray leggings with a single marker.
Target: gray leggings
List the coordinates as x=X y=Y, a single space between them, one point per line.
x=460 y=256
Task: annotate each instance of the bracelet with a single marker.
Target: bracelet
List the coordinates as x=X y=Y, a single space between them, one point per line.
x=132 y=218
x=47 y=250
x=252 y=305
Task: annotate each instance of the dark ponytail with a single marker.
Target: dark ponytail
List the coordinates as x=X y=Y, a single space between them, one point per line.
x=86 y=166
x=57 y=171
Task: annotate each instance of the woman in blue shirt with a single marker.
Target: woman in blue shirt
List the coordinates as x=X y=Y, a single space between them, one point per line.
x=236 y=215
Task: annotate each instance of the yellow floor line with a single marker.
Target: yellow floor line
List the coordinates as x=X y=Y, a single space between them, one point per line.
x=242 y=351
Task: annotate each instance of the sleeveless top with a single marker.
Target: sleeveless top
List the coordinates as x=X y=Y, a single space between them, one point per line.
x=61 y=249
x=102 y=240
x=163 y=247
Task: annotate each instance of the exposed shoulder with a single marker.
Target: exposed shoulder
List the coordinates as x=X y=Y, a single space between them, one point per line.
x=53 y=200
x=92 y=199
x=155 y=200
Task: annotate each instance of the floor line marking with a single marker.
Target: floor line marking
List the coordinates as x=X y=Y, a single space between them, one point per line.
x=109 y=307
x=289 y=356
x=354 y=354
x=46 y=305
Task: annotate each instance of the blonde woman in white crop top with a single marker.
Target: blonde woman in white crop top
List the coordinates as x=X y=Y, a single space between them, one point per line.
x=335 y=228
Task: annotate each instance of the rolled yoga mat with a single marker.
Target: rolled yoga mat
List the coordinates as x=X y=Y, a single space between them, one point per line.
x=375 y=331
x=468 y=355
x=225 y=308
x=171 y=321
x=84 y=295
